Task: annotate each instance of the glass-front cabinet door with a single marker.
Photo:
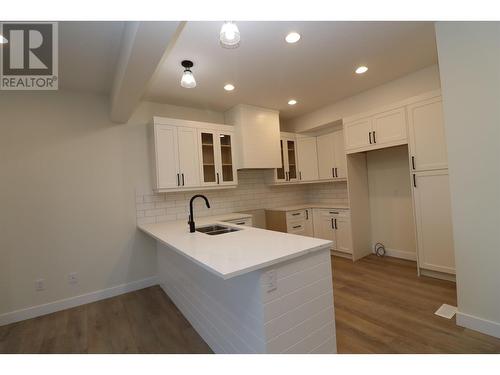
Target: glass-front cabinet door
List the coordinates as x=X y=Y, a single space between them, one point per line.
x=226 y=171
x=207 y=157
x=288 y=170
x=292 y=159
x=217 y=158
x=281 y=173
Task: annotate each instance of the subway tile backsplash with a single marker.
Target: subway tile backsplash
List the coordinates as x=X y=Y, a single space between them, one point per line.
x=251 y=193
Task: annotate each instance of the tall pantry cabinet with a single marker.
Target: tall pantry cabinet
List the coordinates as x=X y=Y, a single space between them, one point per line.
x=430 y=186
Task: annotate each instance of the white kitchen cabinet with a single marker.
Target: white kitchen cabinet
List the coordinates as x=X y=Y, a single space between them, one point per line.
x=427 y=135
x=296 y=222
x=189 y=165
x=389 y=128
x=379 y=130
x=431 y=196
x=288 y=149
x=307 y=158
x=331 y=156
x=216 y=154
x=175 y=165
x=188 y=156
x=334 y=225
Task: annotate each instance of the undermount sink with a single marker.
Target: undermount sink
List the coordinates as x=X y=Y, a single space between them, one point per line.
x=216 y=229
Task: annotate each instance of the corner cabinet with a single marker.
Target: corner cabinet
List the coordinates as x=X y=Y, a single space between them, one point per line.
x=189 y=155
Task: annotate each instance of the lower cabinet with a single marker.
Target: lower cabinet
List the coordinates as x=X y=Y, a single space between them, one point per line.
x=246 y=221
x=334 y=225
x=296 y=222
x=431 y=196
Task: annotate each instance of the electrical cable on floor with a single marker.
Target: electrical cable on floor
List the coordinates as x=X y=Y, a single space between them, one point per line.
x=379 y=249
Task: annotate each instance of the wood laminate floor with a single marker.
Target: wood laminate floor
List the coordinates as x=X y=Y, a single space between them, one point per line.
x=381 y=306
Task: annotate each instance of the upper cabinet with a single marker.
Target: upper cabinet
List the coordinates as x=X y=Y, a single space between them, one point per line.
x=427 y=135
x=257 y=132
x=331 y=156
x=188 y=155
x=379 y=130
x=307 y=158
x=288 y=151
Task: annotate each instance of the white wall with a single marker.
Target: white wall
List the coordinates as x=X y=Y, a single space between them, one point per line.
x=413 y=84
x=469 y=57
x=67 y=204
x=391 y=211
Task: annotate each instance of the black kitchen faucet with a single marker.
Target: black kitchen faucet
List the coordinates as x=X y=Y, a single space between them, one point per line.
x=192 y=227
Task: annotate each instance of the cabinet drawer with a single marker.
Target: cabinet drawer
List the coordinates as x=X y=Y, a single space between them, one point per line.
x=245 y=221
x=297 y=227
x=295 y=215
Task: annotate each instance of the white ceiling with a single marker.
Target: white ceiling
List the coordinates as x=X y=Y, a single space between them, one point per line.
x=88 y=52
x=267 y=71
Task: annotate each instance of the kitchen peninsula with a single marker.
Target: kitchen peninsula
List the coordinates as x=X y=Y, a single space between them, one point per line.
x=249 y=290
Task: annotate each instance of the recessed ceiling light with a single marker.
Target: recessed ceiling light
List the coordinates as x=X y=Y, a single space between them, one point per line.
x=292 y=102
x=361 y=69
x=229 y=35
x=229 y=87
x=2 y=39
x=292 y=37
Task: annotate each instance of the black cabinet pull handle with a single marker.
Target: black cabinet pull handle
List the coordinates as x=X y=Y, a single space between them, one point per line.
x=413 y=162
x=295 y=214
x=333 y=172
x=374 y=139
x=300 y=175
x=333 y=227
x=240 y=223
x=182 y=179
x=217 y=178
x=287 y=178
x=178 y=181
x=370 y=137
x=333 y=212
x=307 y=214
x=336 y=224
x=297 y=226
x=336 y=172
x=414 y=180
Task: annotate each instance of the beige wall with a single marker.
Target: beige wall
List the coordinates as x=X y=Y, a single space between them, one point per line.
x=469 y=57
x=67 y=204
x=416 y=83
x=391 y=211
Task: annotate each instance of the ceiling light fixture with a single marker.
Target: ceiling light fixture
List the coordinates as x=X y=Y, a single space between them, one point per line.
x=229 y=35
x=292 y=37
x=292 y=102
x=187 y=80
x=3 y=40
x=361 y=69
x=229 y=87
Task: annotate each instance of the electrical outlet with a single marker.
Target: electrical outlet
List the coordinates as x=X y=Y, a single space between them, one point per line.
x=39 y=285
x=271 y=280
x=73 y=278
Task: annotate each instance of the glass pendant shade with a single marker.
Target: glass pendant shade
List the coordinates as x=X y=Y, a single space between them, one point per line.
x=187 y=80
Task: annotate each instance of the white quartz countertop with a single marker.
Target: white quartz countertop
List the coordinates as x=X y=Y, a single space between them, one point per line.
x=310 y=205
x=236 y=253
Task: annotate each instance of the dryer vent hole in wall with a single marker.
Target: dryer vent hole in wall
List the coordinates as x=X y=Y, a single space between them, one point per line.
x=379 y=249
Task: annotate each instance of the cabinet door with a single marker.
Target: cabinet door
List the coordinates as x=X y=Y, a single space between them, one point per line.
x=389 y=127
x=189 y=163
x=433 y=220
x=323 y=226
x=343 y=241
x=357 y=134
x=280 y=174
x=166 y=153
x=326 y=155
x=307 y=158
x=427 y=136
x=339 y=151
x=309 y=225
x=291 y=159
x=208 y=157
x=226 y=168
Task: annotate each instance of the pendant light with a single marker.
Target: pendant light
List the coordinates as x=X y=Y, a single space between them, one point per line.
x=229 y=35
x=187 y=80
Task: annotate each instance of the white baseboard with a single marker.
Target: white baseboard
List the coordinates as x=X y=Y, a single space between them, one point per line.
x=400 y=254
x=487 y=327
x=67 y=303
